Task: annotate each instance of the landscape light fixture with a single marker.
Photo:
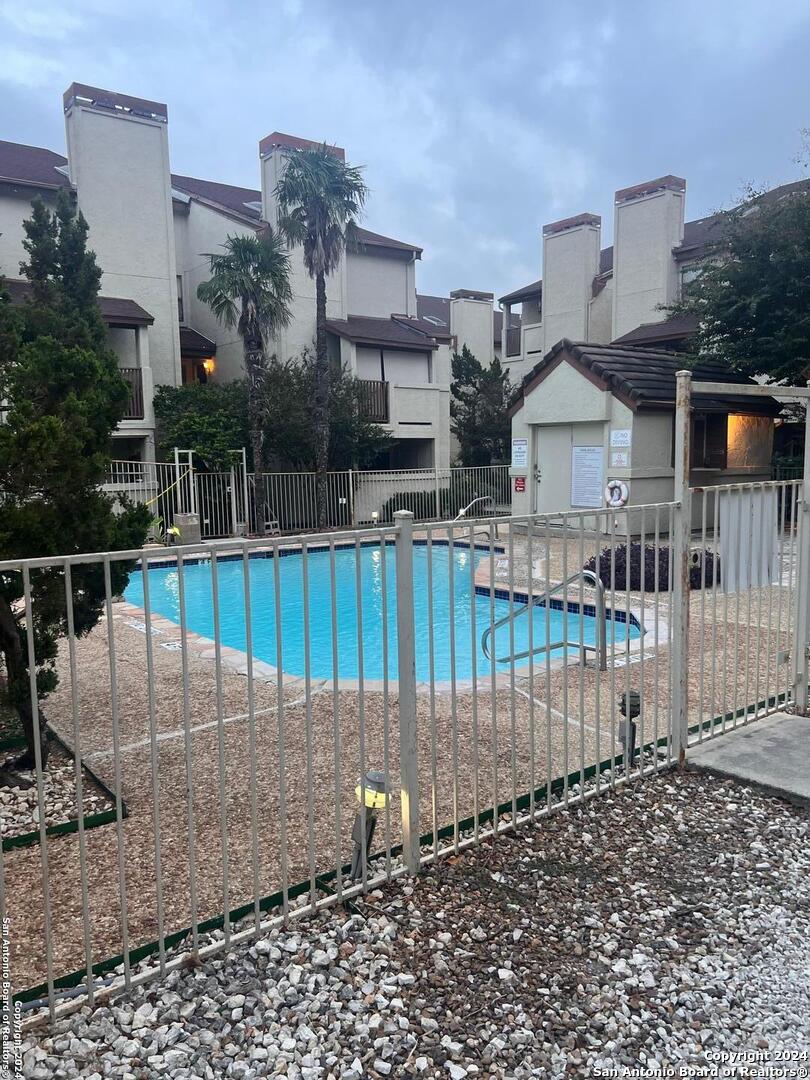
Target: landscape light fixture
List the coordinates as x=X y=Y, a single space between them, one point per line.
x=629 y=707
x=372 y=795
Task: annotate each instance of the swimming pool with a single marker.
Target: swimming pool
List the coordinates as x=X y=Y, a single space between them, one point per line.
x=451 y=575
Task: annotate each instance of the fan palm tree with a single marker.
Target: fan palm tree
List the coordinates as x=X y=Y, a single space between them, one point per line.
x=320 y=197
x=249 y=289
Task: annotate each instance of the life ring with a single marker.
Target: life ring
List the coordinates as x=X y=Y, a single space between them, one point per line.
x=616 y=493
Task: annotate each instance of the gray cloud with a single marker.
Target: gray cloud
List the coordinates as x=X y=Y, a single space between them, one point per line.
x=476 y=123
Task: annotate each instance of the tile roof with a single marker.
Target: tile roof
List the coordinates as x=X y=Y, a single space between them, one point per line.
x=644 y=378
x=115 y=310
x=397 y=331
x=676 y=328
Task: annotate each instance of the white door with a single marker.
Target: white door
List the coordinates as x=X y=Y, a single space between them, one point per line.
x=553 y=467
x=560 y=448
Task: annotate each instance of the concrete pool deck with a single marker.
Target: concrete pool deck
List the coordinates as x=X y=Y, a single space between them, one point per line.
x=774 y=754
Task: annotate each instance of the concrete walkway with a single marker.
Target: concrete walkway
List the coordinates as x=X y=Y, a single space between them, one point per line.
x=774 y=753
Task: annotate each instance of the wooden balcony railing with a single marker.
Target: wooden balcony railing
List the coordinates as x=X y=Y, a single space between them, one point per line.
x=134 y=378
x=373 y=397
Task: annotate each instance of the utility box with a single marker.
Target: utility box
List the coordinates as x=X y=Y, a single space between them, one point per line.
x=189 y=526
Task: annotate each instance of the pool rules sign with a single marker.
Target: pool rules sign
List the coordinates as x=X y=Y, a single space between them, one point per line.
x=587 y=476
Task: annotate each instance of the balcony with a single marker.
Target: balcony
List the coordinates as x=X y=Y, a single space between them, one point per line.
x=133 y=377
x=513 y=341
x=373 y=400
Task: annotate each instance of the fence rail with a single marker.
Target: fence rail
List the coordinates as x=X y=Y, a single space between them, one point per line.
x=229 y=704
x=227 y=505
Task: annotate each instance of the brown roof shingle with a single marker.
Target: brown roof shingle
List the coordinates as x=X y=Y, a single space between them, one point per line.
x=399 y=332
x=115 y=310
x=31 y=165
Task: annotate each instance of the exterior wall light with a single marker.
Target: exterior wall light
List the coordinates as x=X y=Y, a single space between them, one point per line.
x=209 y=365
x=629 y=707
x=372 y=795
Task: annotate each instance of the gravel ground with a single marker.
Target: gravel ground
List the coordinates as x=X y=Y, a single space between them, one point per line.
x=19 y=809
x=654 y=926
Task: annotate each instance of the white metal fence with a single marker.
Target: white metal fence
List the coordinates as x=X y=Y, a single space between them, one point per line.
x=249 y=699
x=229 y=705
x=226 y=501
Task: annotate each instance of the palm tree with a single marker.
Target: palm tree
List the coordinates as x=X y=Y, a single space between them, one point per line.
x=249 y=289
x=319 y=198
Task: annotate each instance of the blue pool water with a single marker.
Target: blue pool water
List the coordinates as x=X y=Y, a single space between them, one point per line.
x=431 y=605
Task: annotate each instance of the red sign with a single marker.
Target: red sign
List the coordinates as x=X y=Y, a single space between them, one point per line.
x=520 y=483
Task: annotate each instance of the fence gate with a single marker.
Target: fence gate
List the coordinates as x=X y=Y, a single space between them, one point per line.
x=741 y=586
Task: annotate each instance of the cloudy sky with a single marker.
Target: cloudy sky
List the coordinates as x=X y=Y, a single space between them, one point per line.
x=476 y=122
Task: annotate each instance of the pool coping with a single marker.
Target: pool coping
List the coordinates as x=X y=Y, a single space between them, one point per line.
x=236 y=661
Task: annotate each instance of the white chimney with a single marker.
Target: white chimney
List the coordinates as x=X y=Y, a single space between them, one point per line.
x=471 y=321
x=274 y=151
x=570 y=263
x=648 y=224
x=118 y=154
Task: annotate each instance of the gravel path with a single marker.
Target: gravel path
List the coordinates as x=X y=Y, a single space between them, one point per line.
x=656 y=925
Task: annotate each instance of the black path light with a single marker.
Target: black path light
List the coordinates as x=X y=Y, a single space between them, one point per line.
x=629 y=707
x=372 y=795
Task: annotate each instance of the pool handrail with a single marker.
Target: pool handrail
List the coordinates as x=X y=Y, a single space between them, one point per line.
x=600 y=648
x=493 y=507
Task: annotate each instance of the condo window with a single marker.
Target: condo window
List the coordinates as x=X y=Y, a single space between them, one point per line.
x=180 y=312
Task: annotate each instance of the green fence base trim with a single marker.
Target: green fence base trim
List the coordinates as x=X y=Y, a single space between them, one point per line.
x=322 y=881
x=64 y=828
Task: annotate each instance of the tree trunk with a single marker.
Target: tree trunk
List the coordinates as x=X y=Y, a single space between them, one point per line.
x=255 y=371
x=321 y=410
x=19 y=688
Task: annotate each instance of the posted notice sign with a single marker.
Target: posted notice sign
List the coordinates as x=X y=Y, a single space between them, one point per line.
x=587 y=476
x=621 y=437
x=520 y=483
x=520 y=453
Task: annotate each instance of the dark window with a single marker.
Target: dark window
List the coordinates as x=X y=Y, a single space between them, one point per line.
x=180 y=312
x=709 y=448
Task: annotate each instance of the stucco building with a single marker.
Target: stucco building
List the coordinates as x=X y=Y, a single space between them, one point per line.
x=597 y=353
x=618 y=293
x=587 y=414
x=152 y=230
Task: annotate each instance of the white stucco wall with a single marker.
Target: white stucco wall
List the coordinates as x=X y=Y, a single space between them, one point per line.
x=600 y=316
x=198 y=232
x=379 y=285
x=645 y=274
x=119 y=164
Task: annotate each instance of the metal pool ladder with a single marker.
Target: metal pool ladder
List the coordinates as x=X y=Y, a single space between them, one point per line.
x=600 y=648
